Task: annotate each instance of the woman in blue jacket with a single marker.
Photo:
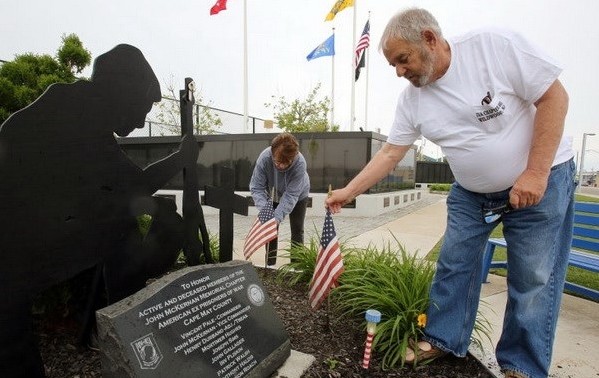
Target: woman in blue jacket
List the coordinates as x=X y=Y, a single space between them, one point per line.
x=280 y=176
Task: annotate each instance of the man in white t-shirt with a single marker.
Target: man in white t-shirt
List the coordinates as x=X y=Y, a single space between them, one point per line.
x=493 y=102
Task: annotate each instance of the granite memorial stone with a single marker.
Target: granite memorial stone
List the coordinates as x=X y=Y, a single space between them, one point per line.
x=202 y=321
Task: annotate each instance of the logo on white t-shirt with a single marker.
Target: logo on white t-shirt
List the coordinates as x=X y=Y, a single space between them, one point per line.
x=487 y=99
x=490 y=108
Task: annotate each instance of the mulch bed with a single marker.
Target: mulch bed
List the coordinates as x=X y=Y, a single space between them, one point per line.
x=336 y=343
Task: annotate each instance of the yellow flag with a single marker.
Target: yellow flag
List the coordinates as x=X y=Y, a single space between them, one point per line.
x=338 y=7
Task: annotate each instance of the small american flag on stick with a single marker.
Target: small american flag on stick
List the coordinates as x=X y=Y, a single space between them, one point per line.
x=329 y=264
x=263 y=231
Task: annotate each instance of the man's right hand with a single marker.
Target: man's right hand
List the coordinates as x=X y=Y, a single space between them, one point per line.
x=337 y=199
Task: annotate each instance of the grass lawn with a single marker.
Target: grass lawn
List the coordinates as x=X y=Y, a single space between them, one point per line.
x=575 y=275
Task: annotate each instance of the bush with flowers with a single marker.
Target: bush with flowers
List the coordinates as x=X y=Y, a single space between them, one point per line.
x=389 y=280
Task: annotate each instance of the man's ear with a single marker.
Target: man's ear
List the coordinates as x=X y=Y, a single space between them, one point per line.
x=429 y=38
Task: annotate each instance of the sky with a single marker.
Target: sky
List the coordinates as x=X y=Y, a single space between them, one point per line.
x=180 y=39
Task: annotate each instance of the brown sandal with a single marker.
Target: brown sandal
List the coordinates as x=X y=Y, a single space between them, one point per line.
x=422 y=352
x=513 y=374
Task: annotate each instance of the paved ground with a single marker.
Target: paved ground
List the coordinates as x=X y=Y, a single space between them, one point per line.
x=349 y=229
x=346 y=227
x=588 y=191
x=576 y=344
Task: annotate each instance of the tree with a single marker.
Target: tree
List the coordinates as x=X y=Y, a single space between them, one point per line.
x=26 y=77
x=309 y=115
x=205 y=121
x=72 y=54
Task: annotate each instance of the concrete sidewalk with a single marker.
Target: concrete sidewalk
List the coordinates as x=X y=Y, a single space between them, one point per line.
x=418 y=232
x=418 y=227
x=576 y=345
x=411 y=225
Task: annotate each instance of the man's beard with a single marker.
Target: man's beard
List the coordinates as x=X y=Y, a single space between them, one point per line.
x=428 y=62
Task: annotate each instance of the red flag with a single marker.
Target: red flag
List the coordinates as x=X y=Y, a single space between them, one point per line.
x=219 y=6
x=263 y=230
x=329 y=264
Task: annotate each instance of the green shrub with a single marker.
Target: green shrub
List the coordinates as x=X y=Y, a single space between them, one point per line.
x=302 y=261
x=439 y=187
x=390 y=280
x=214 y=247
x=143 y=223
x=394 y=283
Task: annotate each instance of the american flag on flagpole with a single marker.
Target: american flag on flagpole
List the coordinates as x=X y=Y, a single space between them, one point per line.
x=363 y=44
x=329 y=264
x=263 y=231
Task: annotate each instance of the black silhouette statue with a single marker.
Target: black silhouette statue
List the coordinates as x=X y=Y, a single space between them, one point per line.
x=69 y=196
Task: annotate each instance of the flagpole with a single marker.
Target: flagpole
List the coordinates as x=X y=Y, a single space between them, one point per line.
x=333 y=87
x=330 y=193
x=245 y=67
x=353 y=72
x=367 y=70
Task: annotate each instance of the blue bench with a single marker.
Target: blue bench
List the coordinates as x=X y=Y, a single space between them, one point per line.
x=585 y=241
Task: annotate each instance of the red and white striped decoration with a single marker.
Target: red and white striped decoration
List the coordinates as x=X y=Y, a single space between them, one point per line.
x=367 y=350
x=372 y=318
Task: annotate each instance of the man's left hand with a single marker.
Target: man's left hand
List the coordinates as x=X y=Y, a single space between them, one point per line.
x=529 y=188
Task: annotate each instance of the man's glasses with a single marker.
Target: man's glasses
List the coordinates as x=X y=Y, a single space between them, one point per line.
x=493 y=214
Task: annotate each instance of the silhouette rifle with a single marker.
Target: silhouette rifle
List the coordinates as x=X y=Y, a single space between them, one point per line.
x=193 y=216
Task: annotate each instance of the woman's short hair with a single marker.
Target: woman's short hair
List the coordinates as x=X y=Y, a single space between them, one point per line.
x=285 y=145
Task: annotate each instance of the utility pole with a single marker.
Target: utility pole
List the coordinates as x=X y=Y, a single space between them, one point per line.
x=584 y=147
